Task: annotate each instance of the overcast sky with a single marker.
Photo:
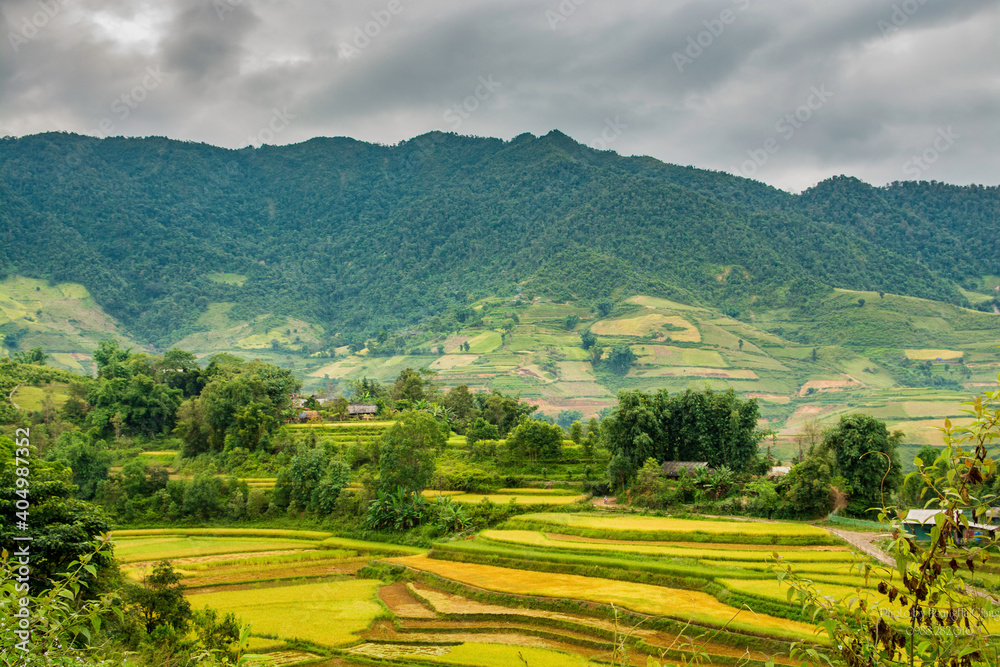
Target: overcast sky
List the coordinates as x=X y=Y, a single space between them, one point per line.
x=786 y=91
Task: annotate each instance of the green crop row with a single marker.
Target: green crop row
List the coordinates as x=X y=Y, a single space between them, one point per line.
x=520 y=523
x=691 y=576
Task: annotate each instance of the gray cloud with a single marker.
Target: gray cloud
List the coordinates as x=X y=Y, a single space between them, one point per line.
x=379 y=70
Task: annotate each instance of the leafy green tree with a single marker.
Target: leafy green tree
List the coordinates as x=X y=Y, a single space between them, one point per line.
x=481 y=430
x=141 y=404
x=201 y=497
x=864 y=453
x=716 y=427
x=571 y=322
x=565 y=418
x=256 y=504
x=410 y=385
x=305 y=474
x=588 y=340
x=179 y=369
x=461 y=402
x=635 y=433
x=253 y=424
x=621 y=359
x=89 y=464
x=160 y=599
x=33 y=356
x=63 y=527
x=502 y=410
x=245 y=400
x=336 y=478
x=406 y=453
x=576 y=432
x=810 y=492
x=533 y=440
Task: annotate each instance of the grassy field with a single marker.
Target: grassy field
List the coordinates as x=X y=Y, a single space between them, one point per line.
x=708 y=551
x=475 y=654
x=328 y=613
x=698 y=530
x=34 y=398
x=166 y=546
x=658 y=600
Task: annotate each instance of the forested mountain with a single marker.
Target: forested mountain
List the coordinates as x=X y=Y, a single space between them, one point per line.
x=358 y=237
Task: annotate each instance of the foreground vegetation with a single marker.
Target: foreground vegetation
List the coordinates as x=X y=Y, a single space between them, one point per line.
x=457 y=519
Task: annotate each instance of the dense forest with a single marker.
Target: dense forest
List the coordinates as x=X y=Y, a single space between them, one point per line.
x=360 y=237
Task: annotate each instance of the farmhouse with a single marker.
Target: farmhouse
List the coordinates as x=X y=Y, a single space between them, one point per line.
x=920 y=523
x=673 y=469
x=362 y=410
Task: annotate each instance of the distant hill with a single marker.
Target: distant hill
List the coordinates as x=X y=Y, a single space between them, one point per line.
x=345 y=238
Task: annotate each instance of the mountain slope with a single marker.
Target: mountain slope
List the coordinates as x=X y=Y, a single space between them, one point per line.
x=356 y=237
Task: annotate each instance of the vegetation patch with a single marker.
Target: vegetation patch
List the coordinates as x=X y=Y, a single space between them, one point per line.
x=663 y=528
x=682 y=605
x=327 y=613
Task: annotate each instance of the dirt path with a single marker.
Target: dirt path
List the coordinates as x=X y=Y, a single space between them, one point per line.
x=11 y=398
x=865 y=542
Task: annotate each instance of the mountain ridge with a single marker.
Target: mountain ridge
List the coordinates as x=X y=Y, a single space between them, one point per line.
x=360 y=237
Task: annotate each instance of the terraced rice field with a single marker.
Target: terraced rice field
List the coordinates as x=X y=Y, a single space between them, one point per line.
x=715 y=554
x=327 y=613
x=529 y=589
x=653 y=528
x=682 y=605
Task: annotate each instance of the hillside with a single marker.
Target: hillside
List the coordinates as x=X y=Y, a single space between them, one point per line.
x=356 y=237
x=341 y=259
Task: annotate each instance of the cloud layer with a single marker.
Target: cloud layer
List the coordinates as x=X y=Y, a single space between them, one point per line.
x=784 y=91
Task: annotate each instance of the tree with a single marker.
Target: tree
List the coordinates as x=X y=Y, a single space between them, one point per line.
x=481 y=430
x=64 y=528
x=414 y=385
x=810 y=493
x=534 y=441
x=406 y=452
x=571 y=322
x=460 y=401
x=940 y=621
x=89 y=464
x=502 y=410
x=324 y=498
x=864 y=453
x=588 y=340
x=234 y=386
x=253 y=424
x=621 y=359
x=810 y=435
x=179 y=369
x=35 y=355
x=576 y=432
x=716 y=427
x=160 y=599
x=201 y=497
